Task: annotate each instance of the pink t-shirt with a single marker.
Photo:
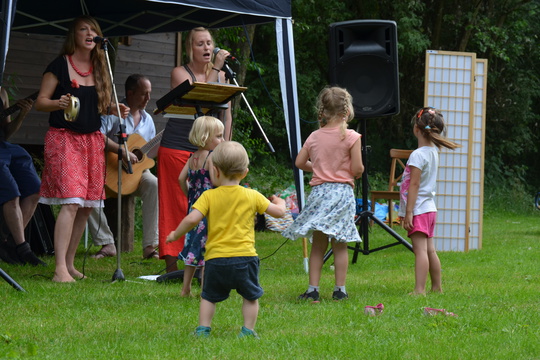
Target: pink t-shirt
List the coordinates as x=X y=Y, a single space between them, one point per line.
x=331 y=156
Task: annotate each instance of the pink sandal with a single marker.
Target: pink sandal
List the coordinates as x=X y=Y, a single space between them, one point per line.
x=434 y=312
x=374 y=310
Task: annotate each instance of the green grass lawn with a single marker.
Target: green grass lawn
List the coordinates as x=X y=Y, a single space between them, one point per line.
x=494 y=291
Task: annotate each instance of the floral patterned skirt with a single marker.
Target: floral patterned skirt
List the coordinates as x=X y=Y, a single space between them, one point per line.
x=330 y=208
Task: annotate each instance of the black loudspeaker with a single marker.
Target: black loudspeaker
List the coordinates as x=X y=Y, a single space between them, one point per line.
x=364 y=60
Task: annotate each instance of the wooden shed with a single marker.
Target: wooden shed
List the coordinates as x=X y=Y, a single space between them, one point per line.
x=153 y=55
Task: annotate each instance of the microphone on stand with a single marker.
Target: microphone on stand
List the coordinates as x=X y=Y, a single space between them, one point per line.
x=99 y=40
x=230 y=57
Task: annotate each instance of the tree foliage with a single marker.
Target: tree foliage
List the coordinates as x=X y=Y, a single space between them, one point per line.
x=505 y=32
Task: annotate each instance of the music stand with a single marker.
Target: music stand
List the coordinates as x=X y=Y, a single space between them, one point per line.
x=197 y=99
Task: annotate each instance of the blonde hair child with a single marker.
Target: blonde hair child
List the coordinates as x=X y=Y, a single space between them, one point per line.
x=206 y=134
x=231 y=257
x=333 y=154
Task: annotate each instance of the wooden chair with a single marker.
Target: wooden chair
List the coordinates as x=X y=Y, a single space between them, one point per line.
x=398 y=157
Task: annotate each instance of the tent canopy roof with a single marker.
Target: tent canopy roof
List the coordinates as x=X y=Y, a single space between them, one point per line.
x=130 y=17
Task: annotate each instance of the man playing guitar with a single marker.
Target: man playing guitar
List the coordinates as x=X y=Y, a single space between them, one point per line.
x=138 y=89
x=19 y=186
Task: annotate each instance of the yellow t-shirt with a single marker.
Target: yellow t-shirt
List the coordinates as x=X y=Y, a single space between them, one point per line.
x=230 y=211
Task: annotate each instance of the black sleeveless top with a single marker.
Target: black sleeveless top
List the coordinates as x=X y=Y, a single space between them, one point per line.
x=176 y=134
x=89 y=119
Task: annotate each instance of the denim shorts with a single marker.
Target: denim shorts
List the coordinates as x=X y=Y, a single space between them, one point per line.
x=221 y=275
x=17 y=173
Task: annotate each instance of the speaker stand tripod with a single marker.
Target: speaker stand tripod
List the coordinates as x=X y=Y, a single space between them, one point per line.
x=366 y=216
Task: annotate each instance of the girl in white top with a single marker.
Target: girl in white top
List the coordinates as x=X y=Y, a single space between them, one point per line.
x=417 y=207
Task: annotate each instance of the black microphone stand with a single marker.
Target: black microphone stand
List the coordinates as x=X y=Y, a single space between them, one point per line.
x=231 y=75
x=122 y=136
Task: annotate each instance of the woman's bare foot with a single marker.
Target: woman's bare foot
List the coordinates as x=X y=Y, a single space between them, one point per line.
x=76 y=274
x=79 y=276
x=63 y=278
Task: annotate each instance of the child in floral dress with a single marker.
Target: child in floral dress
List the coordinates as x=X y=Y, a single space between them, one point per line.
x=206 y=134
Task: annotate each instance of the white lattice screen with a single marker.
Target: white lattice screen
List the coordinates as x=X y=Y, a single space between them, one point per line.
x=456 y=84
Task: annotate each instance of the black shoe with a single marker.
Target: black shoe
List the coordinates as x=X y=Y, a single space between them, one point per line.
x=6 y=257
x=27 y=256
x=339 y=295
x=313 y=296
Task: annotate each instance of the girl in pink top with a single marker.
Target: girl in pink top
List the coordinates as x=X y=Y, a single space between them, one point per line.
x=333 y=154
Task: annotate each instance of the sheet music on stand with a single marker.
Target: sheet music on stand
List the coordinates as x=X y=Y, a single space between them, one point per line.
x=197 y=99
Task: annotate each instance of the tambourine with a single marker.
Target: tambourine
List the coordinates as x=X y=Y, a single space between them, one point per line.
x=72 y=111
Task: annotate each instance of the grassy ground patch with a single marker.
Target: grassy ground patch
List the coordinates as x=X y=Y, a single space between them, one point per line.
x=494 y=292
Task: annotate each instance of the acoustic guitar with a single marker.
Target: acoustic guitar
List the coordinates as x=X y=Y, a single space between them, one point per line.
x=13 y=108
x=137 y=145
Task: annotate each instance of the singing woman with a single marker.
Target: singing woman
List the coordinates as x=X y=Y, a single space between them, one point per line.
x=74 y=170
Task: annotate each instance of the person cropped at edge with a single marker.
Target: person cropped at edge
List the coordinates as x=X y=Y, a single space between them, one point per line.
x=137 y=88
x=175 y=147
x=74 y=169
x=19 y=187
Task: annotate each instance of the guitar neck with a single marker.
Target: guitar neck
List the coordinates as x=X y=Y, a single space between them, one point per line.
x=9 y=111
x=149 y=145
x=13 y=108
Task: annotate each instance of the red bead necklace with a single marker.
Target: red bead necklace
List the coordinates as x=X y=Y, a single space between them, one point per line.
x=83 y=74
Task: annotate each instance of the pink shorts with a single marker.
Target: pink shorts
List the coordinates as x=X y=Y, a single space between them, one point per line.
x=424 y=223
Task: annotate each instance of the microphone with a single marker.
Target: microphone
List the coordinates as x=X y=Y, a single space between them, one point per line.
x=230 y=57
x=99 y=40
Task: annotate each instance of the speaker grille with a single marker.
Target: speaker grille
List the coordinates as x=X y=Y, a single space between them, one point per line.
x=363 y=59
